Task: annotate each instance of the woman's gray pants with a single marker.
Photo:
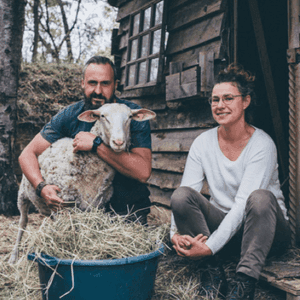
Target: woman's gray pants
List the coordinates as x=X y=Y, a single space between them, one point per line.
x=264 y=228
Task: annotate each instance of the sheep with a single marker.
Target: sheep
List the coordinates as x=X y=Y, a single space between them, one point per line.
x=82 y=177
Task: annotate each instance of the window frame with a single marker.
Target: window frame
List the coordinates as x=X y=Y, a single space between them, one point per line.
x=149 y=57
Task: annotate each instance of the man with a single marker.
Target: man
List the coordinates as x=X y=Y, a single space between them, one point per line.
x=133 y=167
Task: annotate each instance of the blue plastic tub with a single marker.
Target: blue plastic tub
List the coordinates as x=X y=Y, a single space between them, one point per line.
x=116 y=279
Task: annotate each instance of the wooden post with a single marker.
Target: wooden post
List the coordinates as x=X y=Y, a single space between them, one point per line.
x=293 y=56
x=235 y=30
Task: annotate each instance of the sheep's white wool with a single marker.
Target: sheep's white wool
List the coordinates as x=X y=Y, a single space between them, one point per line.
x=82 y=177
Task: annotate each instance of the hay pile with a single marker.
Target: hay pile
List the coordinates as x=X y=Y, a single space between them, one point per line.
x=76 y=235
x=94 y=235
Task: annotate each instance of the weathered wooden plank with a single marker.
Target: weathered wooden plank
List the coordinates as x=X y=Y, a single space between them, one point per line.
x=196 y=116
x=123 y=41
x=195 y=35
x=124 y=25
x=160 y=196
x=183 y=85
x=175 y=3
x=157 y=103
x=124 y=58
x=174 y=141
x=190 y=75
x=206 y=62
x=131 y=7
x=122 y=82
x=292 y=297
x=174 y=162
x=172 y=86
x=175 y=67
x=170 y=181
x=117 y=3
x=158 y=89
x=289 y=285
x=282 y=269
x=192 y=12
x=165 y=180
x=190 y=58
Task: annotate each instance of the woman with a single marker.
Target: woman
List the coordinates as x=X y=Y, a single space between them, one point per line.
x=246 y=210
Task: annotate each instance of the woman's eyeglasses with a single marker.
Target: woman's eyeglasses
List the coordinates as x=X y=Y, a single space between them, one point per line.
x=227 y=99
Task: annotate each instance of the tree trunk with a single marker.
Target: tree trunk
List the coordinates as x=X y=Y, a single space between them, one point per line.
x=67 y=31
x=12 y=16
x=36 y=5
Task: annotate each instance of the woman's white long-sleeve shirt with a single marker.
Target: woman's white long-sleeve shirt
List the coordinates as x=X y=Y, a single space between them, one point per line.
x=231 y=182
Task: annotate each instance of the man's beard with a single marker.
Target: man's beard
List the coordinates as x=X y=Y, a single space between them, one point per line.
x=88 y=101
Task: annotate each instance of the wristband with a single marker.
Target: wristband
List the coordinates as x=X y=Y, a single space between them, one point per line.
x=39 y=188
x=97 y=142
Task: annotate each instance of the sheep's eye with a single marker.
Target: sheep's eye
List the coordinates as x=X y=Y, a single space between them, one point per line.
x=102 y=116
x=130 y=117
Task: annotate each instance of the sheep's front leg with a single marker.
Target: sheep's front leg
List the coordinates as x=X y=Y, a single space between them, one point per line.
x=24 y=208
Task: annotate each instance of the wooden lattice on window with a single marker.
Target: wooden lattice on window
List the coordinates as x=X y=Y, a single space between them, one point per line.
x=146 y=44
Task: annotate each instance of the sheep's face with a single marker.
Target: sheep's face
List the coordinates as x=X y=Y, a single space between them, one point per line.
x=113 y=123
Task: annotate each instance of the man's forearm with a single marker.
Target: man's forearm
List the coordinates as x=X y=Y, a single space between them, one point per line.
x=30 y=168
x=28 y=159
x=135 y=164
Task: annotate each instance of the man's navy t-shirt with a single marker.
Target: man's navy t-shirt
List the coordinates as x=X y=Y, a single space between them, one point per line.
x=66 y=124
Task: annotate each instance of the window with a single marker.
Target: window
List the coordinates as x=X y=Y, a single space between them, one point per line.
x=146 y=41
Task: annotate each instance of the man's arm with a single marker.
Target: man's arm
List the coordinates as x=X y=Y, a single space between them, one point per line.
x=135 y=164
x=28 y=161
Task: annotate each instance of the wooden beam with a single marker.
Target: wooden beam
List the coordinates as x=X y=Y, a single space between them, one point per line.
x=196 y=116
x=174 y=141
x=206 y=63
x=183 y=85
x=165 y=180
x=195 y=35
x=272 y=97
x=173 y=162
x=192 y=12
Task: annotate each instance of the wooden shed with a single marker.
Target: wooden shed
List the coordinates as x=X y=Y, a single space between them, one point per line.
x=168 y=52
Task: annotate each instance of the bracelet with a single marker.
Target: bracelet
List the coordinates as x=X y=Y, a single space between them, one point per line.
x=39 y=188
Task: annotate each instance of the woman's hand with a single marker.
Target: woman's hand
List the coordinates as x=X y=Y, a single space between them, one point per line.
x=193 y=248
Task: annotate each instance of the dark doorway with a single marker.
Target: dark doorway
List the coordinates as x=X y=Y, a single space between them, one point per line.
x=273 y=16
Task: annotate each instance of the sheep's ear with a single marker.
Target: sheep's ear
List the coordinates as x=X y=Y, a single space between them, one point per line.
x=142 y=114
x=89 y=116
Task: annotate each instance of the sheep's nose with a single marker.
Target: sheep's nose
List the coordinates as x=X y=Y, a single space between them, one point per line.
x=119 y=142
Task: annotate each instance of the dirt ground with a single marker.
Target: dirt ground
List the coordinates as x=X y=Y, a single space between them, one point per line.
x=8 y=231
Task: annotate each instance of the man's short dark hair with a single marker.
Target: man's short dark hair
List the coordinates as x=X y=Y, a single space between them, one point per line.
x=100 y=60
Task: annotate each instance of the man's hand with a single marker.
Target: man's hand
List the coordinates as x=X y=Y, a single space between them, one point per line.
x=83 y=141
x=193 y=248
x=49 y=194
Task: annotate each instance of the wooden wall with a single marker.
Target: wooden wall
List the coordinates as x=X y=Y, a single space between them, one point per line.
x=197 y=46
